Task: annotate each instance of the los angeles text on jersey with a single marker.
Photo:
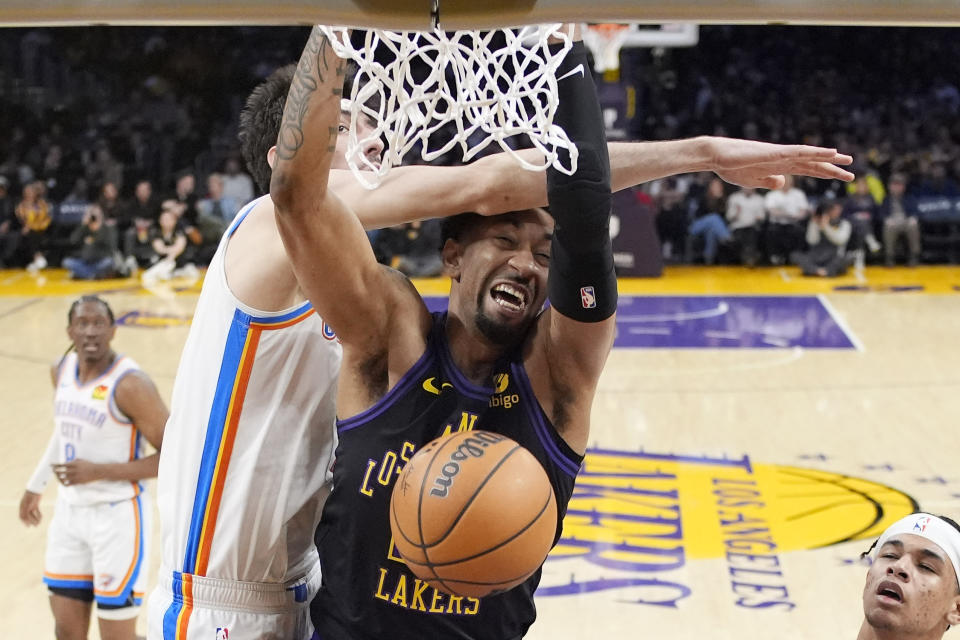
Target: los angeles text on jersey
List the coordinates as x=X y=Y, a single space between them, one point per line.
x=395 y=584
x=385 y=470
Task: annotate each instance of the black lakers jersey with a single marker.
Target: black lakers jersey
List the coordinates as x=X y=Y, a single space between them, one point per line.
x=367 y=591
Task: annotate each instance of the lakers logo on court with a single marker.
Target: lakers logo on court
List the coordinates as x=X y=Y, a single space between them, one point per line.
x=149 y=320
x=637 y=521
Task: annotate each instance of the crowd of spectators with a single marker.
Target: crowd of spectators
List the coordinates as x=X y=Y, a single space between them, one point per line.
x=699 y=218
x=118 y=150
x=888 y=96
x=108 y=133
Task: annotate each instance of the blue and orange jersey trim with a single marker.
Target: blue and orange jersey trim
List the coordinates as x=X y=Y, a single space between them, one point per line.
x=112 y=405
x=76 y=373
x=176 y=619
x=240 y=350
x=124 y=591
x=272 y=323
x=241 y=215
x=68 y=580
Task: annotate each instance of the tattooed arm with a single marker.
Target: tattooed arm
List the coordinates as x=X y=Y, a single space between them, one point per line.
x=331 y=256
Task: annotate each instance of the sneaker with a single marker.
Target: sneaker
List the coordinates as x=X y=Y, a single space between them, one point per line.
x=858 y=260
x=130 y=266
x=872 y=244
x=188 y=270
x=38 y=263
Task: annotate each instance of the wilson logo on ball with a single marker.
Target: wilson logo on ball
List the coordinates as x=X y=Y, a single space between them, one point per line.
x=472 y=447
x=472 y=514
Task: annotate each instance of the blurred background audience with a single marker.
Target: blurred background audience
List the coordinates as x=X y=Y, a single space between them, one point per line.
x=126 y=118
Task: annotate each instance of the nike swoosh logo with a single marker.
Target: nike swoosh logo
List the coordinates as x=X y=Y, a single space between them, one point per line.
x=577 y=70
x=428 y=385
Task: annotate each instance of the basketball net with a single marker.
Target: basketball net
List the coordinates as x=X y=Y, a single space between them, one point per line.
x=480 y=95
x=605 y=41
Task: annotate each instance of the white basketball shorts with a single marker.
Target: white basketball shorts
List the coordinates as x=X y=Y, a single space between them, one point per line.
x=189 y=607
x=101 y=548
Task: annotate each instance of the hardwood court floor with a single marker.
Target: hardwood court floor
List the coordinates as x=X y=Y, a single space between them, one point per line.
x=760 y=430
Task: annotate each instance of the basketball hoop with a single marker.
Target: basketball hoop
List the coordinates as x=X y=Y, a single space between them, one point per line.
x=484 y=94
x=605 y=40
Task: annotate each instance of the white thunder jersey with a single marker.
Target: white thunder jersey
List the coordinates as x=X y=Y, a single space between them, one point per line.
x=250 y=438
x=89 y=425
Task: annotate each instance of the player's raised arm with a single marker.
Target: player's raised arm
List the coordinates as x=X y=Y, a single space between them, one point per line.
x=576 y=333
x=497 y=184
x=331 y=255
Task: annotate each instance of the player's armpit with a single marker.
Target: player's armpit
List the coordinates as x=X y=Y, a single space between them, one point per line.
x=257 y=267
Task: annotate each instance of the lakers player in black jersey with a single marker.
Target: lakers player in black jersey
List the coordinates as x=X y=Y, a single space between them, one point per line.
x=496 y=360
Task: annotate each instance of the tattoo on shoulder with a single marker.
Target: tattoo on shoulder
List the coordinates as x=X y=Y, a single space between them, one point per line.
x=311 y=73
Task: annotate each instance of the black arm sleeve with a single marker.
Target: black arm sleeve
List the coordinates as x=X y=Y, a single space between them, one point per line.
x=582 y=283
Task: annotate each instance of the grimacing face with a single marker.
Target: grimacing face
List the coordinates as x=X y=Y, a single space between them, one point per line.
x=911 y=588
x=501 y=264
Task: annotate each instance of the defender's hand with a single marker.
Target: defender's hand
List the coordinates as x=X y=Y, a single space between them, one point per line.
x=750 y=163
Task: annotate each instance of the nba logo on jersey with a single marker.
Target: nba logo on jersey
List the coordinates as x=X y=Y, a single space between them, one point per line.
x=222 y=633
x=588 y=298
x=921 y=524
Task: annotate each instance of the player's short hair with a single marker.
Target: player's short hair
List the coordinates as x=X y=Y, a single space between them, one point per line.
x=454 y=227
x=953 y=523
x=260 y=123
x=261 y=117
x=89 y=298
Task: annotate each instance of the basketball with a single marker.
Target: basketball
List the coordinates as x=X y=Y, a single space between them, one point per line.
x=473 y=514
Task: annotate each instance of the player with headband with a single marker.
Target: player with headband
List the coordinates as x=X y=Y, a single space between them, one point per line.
x=912 y=590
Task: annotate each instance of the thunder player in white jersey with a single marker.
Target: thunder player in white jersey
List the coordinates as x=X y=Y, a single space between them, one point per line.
x=97 y=546
x=251 y=434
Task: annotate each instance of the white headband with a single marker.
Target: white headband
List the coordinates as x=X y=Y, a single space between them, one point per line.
x=933 y=529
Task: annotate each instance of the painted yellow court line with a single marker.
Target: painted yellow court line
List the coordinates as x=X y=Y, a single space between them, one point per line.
x=676 y=280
